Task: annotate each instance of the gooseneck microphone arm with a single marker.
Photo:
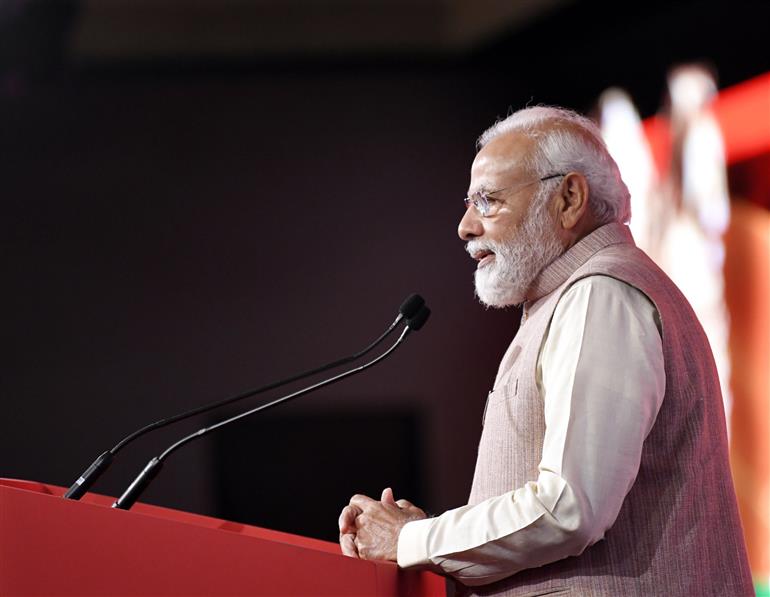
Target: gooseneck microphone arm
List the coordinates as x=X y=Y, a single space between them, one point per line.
x=153 y=467
x=409 y=309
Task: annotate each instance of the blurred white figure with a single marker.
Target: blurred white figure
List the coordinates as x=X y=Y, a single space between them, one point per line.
x=692 y=248
x=679 y=217
x=624 y=135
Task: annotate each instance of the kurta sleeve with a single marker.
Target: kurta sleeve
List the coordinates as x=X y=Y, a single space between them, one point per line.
x=602 y=378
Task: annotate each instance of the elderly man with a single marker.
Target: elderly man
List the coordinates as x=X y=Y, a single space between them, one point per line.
x=602 y=467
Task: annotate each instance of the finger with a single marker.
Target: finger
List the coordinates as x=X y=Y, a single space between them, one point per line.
x=361 y=548
x=348 y=545
x=350 y=512
x=347 y=520
x=362 y=501
x=387 y=497
x=344 y=518
x=411 y=510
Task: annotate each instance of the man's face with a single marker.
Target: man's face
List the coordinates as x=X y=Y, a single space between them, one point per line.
x=520 y=238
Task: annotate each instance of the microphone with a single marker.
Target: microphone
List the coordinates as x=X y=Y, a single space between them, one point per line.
x=410 y=308
x=140 y=483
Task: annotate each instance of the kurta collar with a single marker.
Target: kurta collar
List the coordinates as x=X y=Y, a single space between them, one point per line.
x=559 y=270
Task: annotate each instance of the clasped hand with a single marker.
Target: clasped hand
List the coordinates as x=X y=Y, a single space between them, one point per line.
x=369 y=528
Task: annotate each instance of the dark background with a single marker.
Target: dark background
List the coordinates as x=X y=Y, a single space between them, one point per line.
x=178 y=228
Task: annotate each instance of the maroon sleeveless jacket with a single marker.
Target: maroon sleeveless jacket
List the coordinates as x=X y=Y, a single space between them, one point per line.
x=678 y=532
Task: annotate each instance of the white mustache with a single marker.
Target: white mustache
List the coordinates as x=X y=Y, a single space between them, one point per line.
x=473 y=247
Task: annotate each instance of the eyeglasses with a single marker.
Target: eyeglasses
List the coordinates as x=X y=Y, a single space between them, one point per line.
x=487 y=206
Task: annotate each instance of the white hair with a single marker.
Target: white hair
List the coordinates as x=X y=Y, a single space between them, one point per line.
x=572 y=143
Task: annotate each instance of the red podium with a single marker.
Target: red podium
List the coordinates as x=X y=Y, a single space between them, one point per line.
x=53 y=546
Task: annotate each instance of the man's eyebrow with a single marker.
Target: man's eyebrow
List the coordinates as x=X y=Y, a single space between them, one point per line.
x=482 y=188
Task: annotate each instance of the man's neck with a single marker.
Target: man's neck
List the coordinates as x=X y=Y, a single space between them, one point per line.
x=585 y=226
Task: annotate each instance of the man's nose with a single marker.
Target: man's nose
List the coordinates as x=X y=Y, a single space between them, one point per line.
x=470 y=226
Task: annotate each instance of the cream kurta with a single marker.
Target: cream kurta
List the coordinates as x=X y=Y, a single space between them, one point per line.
x=580 y=486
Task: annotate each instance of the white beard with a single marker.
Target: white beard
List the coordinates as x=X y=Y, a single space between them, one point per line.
x=516 y=264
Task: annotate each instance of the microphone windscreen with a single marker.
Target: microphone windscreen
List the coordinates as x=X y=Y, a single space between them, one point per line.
x=411 y=305
x=416 y=322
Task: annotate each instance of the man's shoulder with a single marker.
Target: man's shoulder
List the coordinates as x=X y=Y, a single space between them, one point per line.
x=601 y=282
x=627 y=263
x=623 y=254
x=602 y=291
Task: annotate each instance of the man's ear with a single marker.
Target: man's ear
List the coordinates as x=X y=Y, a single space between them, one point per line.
x=572 y=200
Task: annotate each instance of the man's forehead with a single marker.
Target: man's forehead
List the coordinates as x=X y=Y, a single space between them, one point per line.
x=502 y=158
x=486 y=164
